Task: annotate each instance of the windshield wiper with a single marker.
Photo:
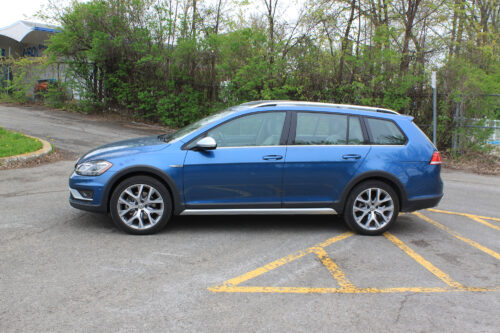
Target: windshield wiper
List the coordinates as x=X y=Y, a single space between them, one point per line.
x=165 y=137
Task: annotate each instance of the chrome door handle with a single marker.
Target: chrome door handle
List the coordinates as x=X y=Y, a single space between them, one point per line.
x=272 y=157
x=351 y=157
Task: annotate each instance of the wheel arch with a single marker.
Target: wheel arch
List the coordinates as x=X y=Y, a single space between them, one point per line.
x=383 y=176
x=144 y=170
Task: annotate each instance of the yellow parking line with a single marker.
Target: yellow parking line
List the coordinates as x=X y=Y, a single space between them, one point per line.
x=426 y=264
x=280 y=262
x=488 y=224
x=457 y=235
x=335 y=239
x=334 y=269
x=346 y=286
x=307 y=290
x=463 y=214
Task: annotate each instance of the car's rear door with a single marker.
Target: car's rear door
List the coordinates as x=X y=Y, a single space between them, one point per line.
x=246 y=168
x=325 y=150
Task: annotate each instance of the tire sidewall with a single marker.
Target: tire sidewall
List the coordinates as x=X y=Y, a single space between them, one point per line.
x=348 y=211
x=167 y=203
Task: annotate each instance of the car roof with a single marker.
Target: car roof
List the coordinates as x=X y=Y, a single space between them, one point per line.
x=271 y=103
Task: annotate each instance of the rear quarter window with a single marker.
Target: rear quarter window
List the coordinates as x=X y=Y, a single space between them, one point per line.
x=385 y=132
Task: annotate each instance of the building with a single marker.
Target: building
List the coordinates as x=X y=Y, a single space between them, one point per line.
x=25 y=39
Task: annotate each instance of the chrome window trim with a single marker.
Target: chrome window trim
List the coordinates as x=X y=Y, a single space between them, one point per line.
x=291 y=146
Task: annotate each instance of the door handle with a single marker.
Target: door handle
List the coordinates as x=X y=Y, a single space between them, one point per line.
x=351 y=157
x=272 y=157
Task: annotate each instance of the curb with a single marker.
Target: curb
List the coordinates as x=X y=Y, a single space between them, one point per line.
x=46 y=148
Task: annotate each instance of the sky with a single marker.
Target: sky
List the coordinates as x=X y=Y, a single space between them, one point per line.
x=15 y=10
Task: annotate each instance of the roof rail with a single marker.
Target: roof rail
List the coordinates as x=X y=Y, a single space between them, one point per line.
x=261 y=104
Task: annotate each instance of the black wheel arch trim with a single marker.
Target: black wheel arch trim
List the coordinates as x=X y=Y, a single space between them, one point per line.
x=376 y=175
x=143 y=170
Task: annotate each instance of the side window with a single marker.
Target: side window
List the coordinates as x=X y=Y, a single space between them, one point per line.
x=385 y=132
x=320 y=129
x=261 y=129
x=355 y=132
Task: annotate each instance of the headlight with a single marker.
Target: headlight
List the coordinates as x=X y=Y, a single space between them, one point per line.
x=92 y=168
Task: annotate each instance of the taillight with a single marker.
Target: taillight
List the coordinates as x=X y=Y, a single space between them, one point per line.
x=436 y=158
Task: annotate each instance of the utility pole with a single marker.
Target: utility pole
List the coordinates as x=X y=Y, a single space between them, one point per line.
x=434 y=107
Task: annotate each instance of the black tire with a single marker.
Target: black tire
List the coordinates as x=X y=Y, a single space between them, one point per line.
x=366 y=218
x=141 y=210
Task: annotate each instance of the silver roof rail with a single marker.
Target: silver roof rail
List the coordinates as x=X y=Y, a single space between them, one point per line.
x=260 y=104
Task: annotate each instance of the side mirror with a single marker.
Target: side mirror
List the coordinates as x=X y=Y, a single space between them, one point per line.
x=206 y=143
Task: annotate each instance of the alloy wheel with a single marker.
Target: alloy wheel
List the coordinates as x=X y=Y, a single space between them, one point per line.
x=373 y=209
x=140 y=206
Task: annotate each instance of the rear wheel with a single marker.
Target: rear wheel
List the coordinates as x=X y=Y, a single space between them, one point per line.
x=141 y=205
x=372 y=208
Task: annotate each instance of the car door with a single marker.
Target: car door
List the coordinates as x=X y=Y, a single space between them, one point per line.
x=246 y=168
x=325 y=150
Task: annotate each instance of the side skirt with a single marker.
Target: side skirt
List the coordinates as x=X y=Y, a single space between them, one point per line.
x=261 y=211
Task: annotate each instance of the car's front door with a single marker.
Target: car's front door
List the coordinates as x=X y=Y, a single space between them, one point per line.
x=246 y=168
x=324 y=153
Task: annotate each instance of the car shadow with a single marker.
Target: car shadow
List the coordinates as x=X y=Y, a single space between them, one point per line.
x=93 y=222
x=88 y=221
x=251 y=223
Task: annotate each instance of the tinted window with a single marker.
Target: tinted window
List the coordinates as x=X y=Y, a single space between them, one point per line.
x=355 y=132
x=321 y=129
x=185 y=131
x=261 y=129
x=385 y=132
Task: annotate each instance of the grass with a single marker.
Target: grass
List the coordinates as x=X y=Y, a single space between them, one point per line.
x=15 y=143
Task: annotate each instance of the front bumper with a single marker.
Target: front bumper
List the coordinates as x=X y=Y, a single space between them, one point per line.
x=80 y=185
x=85 y=205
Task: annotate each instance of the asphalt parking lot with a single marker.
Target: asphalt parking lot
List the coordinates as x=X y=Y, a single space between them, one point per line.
x=66 y=270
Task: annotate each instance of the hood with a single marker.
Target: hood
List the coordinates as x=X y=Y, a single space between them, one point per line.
x=125 y=147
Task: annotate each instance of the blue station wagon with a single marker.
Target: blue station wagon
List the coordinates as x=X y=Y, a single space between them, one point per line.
x=266 y=157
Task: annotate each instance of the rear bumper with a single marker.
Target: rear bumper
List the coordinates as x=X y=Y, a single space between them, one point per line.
x=416 y=204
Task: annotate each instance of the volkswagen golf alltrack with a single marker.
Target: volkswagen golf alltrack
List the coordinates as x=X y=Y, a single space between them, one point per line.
x=266 y=157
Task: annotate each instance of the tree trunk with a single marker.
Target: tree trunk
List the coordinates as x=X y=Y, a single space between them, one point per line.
x=410 y=14
x=345 y=42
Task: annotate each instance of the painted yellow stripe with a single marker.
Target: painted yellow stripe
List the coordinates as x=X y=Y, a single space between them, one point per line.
x=457 y=235
x=335 y=239
x=334 y=269
x=266 y=268
x=307 y=290
x=280 y=262
x=488 y=224
x=418 y=258
x=463 y=214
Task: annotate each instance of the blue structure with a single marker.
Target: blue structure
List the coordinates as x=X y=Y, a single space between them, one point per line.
x=24 y=38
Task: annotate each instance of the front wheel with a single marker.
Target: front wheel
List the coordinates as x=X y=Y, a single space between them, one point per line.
x=141 y=205
x=372 y=208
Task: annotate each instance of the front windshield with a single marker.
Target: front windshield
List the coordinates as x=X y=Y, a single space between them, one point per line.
x=185 y=131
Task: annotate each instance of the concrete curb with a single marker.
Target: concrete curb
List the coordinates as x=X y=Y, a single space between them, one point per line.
x=46 y=148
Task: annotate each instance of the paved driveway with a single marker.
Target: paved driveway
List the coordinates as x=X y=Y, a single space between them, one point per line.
x=66 y=270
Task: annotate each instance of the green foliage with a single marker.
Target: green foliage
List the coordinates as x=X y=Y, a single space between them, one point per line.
x=24 y=73
x=162 y=61
x=56 y=95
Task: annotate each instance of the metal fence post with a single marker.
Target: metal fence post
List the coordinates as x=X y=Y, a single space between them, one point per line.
x=455 y=134
x=434 y=107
